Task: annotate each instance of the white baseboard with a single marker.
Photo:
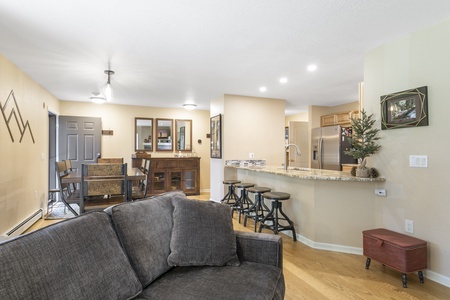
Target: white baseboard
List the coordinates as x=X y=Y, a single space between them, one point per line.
x=436 y=277
x=25 y=224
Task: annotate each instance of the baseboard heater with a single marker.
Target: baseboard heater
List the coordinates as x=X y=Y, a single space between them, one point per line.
x=25 y=224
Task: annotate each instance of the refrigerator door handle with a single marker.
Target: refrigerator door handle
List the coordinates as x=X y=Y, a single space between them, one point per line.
x=320 y=152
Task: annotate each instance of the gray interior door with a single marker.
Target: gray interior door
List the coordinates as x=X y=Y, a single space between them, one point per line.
x=79 y=139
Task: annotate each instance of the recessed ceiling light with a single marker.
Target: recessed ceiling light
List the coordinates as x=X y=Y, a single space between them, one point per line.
x=312 y=68
x=262 y=89
x=283 y=79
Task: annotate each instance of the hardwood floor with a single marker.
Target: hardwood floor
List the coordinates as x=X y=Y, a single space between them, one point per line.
x=320 y=274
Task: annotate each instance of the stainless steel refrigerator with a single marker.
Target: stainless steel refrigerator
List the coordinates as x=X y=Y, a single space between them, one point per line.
x=327 y=147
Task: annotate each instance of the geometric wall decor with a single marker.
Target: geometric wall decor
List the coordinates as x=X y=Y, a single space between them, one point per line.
x=405 y=109
x=14 y=117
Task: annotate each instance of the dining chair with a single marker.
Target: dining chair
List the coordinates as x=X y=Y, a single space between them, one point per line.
x=140 y=191
x=67 y=195
x=102 y=185
x=110 y=160
x=70 y=170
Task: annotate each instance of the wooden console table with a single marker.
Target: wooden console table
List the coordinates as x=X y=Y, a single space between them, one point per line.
x=172 y=173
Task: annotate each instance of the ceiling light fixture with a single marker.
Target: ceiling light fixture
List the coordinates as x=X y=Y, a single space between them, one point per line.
x=283 y=79
x=107 y=90
x=262 y=89
x=97 y=98
x=312 y=68
x=189 y=106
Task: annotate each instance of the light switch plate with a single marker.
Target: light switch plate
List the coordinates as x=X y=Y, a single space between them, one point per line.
x=418 y=161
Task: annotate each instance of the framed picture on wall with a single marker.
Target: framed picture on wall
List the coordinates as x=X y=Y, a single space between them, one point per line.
x=216 y=136
x=405 y=109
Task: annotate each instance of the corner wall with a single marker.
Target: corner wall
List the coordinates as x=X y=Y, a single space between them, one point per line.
x=417 y=194
x=23 y=163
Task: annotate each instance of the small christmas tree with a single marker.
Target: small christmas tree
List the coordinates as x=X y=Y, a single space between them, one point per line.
x=363 y=139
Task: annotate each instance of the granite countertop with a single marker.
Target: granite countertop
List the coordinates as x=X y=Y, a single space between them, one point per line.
x=310 y=174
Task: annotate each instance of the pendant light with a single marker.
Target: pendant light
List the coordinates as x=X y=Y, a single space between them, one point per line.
x=107 y=91
x=97 y=98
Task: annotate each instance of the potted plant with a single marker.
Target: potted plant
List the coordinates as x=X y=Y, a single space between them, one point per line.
x=363 y=142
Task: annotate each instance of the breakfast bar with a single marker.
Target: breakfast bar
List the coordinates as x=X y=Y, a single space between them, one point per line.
x=329 y=208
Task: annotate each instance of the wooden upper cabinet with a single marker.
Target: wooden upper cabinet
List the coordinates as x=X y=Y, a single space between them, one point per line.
x=343 y=118
x=328 y=120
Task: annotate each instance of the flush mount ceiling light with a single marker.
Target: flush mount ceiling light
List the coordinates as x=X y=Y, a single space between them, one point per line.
x=189 y=106
x=312 y=68
x=107 y=90
x=97 y=98
x=283 y=79
x=262 y=89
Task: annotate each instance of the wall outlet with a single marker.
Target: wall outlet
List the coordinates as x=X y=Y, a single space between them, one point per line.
x=409 y=226
x=251 y=155
x=380 y=192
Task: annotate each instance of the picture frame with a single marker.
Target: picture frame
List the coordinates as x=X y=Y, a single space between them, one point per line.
x=216 y=136
x=405 y=109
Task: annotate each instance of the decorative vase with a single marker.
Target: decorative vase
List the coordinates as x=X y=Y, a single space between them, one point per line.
x=361 y=170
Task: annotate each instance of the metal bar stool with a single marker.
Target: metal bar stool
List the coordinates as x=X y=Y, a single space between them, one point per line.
x=231 y=197
x=243 y=202
x=256 y=211
x=275 y=226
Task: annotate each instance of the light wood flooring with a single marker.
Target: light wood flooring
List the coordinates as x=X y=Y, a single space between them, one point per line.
x=320 y=274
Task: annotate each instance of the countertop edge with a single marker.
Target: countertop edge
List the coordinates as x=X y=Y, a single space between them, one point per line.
x=310 y=174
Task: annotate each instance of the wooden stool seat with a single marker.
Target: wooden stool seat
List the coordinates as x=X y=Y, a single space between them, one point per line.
x=243 y=202
x=230 y=198
x=256 y=211
x=272 y=219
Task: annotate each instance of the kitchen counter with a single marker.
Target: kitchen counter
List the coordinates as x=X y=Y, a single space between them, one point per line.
x=330 y=209
x=310 y=174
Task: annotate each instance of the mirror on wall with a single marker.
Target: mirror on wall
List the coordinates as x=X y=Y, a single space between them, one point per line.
x=164 y=135
x=143 y=132
x=183 y=129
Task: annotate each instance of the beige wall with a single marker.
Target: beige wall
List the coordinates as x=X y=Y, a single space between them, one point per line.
x=417 y=194
x=24 y=164
x=120 y=119
x=254 y=125
x=250 y=125
x=300 y=117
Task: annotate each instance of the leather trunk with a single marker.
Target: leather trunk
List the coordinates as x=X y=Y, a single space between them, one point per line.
x=398 y=251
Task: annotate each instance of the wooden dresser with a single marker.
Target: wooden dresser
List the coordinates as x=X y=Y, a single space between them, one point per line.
x=172 y=173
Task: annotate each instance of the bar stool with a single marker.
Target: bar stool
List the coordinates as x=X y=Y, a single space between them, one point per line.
x=243 y=202
x=256 y=211
x=275 y=226
x=231 y=195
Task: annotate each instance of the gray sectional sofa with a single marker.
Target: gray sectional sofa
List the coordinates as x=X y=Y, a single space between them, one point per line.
x=164 y=247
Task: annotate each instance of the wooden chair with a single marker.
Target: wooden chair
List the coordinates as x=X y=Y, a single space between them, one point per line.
x=102 y=185
x=67 y=194
x=140 y=191
x=69 y=170
x=110 y=160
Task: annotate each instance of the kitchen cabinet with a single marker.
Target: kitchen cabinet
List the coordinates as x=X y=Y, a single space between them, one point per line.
x=169 y=174
x=343 y=118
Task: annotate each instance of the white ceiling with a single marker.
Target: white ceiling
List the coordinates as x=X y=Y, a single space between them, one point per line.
x=168 y=52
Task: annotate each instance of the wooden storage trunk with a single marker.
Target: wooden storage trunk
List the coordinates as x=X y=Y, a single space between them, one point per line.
x=398 y=251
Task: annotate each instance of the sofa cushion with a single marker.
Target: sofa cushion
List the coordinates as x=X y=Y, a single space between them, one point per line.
x=80 y=258
x=202 y=234
x=144 y=228
x=249 y=281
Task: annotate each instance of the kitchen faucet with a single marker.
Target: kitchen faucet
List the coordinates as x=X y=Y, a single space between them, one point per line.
x=286 y=147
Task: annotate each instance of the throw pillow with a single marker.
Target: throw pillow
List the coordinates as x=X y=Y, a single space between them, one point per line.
x=202 y=234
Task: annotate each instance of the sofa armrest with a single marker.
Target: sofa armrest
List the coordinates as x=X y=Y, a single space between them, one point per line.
x=260 y=248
